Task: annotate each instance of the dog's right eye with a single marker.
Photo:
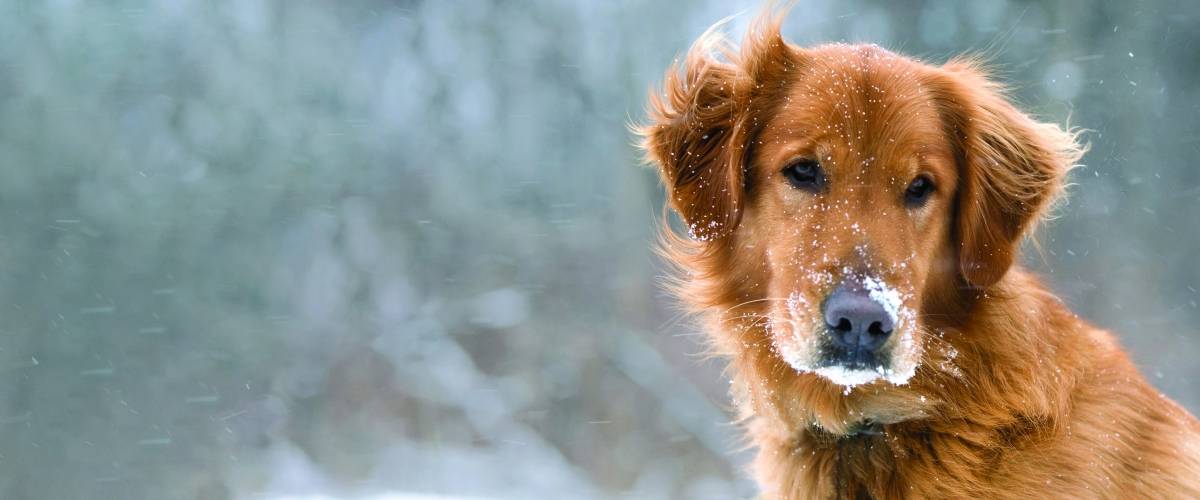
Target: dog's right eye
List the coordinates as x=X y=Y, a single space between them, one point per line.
x=805 y=174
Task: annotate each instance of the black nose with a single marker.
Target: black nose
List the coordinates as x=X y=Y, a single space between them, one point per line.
x=856 y=321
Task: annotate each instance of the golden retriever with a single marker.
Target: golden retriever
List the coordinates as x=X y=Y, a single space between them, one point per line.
x=854 y=219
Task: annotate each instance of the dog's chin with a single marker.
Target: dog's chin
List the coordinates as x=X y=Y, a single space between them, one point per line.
x=857 y=401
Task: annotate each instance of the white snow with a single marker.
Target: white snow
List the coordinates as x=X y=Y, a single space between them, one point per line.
x=846 y=377
x=880 y=292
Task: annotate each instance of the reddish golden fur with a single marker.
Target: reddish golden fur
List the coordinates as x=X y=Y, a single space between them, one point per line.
x=1014 y=396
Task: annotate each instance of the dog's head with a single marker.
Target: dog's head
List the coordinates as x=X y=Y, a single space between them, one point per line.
x=841 y=199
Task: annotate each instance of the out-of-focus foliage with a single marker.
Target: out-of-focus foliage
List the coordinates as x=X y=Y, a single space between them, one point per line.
x=269 y=248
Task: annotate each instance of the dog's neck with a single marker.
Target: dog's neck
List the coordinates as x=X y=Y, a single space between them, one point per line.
x=862 y=428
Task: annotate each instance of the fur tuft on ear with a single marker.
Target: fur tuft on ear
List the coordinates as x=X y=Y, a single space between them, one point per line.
x=703 y=120
x=1011 y=168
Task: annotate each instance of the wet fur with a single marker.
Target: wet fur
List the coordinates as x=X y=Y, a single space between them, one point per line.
x=1015 y=395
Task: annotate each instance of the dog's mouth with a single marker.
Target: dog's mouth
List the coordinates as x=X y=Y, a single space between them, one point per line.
x=850 y=368
x=853 y=358
x=860 y=370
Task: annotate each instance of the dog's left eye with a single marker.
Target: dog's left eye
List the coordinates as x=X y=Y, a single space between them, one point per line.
x=805 y=174
x=918 y=191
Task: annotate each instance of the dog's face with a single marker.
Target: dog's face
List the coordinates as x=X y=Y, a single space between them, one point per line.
x=838 y=198
x=853 y=180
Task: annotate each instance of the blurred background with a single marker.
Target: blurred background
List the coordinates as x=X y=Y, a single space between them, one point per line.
x=402 y=249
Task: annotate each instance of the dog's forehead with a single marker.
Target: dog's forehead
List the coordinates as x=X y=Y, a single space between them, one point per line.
x=859 y=97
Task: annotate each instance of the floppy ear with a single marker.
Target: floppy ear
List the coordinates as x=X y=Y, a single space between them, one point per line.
x=1011 y=168
x=702 y=122
x=695 y=139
